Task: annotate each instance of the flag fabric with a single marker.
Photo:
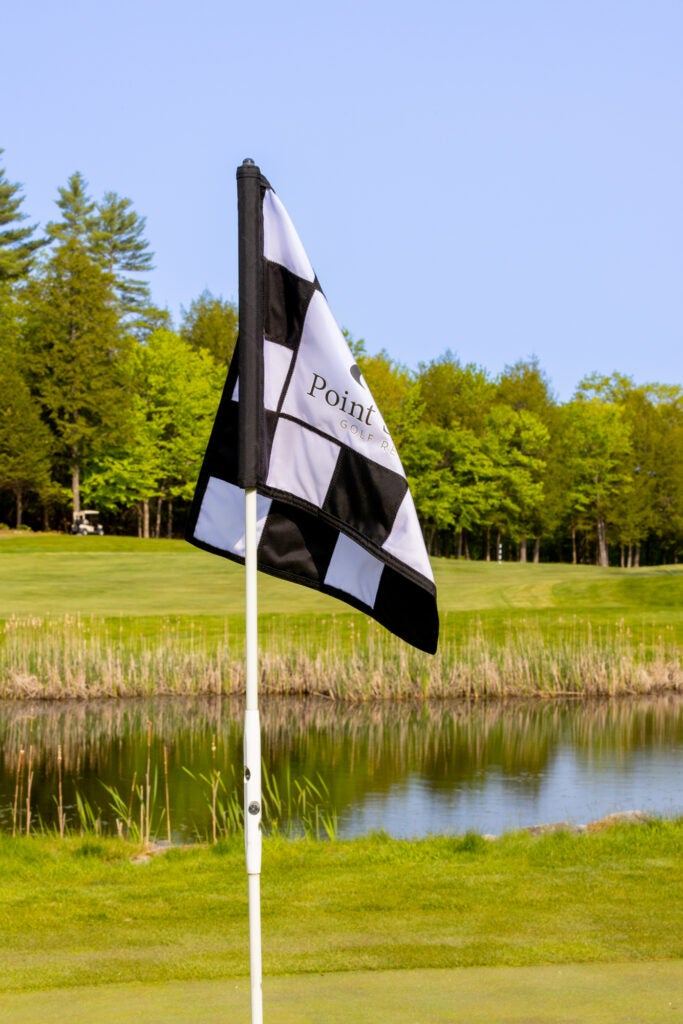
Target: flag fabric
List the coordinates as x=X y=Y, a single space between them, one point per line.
x=334 y=509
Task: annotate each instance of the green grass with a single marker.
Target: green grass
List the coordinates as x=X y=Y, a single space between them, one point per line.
x=83 y=912
x=530 y=929
x=53 y=574
x=121 y=616
x=646 y=993
x=123 y=576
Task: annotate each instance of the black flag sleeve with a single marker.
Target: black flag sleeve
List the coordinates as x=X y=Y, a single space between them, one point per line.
x=334 y=508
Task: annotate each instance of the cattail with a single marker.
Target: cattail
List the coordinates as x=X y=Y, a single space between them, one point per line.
x=168 y=801
x=60 y=807
x=18 y=791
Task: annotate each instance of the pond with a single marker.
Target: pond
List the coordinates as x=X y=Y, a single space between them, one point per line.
x=445 y=768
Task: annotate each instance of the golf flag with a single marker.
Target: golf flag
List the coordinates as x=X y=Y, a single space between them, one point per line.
x=334 y=510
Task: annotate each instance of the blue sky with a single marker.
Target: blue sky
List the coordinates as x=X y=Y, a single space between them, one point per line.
x=498 y=177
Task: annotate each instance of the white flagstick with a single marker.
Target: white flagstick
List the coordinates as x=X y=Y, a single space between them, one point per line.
x=250 y=252
x=252 y=763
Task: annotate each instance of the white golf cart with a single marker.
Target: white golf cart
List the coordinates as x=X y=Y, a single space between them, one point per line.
x=85 y=523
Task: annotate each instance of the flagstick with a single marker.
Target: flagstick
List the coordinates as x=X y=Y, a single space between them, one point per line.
x=258 y=232
x=251 y=320
x=252 y=764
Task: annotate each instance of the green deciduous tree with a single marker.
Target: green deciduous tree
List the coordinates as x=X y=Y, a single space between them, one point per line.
x=597 y=456
x=393 y=387
x=650 y=412
x=654 y=414
x=183 y=388
x=515 y=443
x=455 y=394
x=176 y=395
x=669 y=496
x=211 y=324
x=525 y=388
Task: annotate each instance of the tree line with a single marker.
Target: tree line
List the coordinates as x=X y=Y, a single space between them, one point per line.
x=105 y=403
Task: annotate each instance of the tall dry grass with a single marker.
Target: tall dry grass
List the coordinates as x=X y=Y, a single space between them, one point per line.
x=77 y=657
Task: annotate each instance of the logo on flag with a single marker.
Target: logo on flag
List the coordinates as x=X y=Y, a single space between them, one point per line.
x=334 y=509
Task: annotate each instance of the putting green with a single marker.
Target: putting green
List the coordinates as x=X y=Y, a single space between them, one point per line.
x=632 y=993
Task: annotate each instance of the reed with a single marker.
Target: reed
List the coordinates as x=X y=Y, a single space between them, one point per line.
x=126 y=828
x=89 y=817
x=60 y=794
x=168 y=796
x=348 y=659
x=147 y=803
x=128 y=820
x=29 y=781
x=303 y=809
x=224 y=804
x=18 y=793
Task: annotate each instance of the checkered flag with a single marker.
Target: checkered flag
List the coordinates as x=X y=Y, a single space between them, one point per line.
x=334 y=509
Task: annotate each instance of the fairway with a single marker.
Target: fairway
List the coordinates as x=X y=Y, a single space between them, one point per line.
x=123 y=576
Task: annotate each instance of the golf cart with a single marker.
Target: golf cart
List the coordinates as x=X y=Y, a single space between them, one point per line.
x=85 y=523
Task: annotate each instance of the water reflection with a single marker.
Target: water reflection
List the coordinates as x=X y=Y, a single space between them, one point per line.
x=411 y=770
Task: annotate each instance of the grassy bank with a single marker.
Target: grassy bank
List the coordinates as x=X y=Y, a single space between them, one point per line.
x=104 y=915
x=118 y=616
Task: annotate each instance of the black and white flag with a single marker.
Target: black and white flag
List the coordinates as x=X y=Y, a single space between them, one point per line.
x=334 y=509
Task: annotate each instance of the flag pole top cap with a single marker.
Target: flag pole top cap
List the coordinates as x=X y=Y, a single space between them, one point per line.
x=248 y=169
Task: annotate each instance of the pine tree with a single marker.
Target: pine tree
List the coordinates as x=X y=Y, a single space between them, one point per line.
x=17 y=248
x=25 y=441
x=78 y=356
x=79 y=221
x=119 y=244
x=111 y=233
